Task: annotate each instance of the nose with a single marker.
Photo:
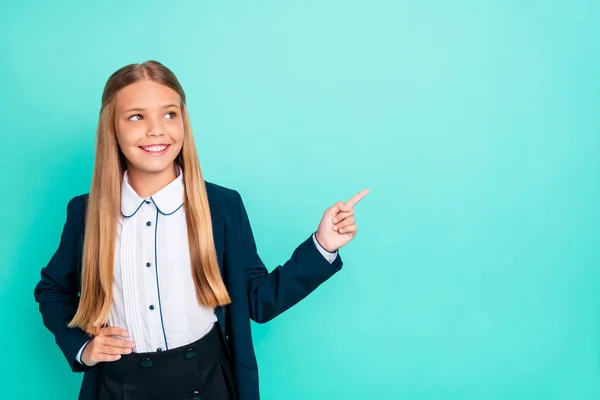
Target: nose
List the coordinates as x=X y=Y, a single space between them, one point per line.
x=155 y=127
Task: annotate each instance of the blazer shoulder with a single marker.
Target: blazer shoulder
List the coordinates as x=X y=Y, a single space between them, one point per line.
x=222 y=194
x=76 y=209
x=224 y=200
x=78 y=203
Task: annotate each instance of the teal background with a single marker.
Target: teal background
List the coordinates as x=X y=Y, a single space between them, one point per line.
x=475 y=273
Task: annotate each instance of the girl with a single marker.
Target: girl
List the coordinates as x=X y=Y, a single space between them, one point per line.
x=157 y=276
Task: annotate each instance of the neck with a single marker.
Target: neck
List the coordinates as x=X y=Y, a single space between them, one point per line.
x=146 y=184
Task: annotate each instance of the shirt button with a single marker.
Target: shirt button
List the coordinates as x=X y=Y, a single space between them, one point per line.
x=151 y=307
x=148 y=264
x=148 y=223
x=159 y=349
x=148 y=201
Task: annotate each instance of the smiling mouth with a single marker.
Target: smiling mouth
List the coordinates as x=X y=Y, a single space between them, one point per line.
x=156 y=149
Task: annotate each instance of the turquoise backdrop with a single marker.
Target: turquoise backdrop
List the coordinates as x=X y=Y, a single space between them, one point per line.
x=476 y=270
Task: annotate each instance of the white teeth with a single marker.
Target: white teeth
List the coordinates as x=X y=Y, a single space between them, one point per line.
x=154 y=148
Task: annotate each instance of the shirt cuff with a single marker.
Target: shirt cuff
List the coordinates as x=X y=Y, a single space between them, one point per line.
x=328 y=255
x=78 y=357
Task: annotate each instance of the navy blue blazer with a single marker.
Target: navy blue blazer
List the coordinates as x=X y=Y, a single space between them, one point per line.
x=255 y=293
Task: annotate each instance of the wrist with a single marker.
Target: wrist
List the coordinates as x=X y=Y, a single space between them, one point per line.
x=83 y=354
x=323 y=244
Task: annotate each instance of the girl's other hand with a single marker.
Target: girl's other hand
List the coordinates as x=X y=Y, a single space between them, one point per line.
x=105 y=347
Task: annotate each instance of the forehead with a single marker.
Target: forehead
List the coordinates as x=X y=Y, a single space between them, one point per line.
x=145 y=94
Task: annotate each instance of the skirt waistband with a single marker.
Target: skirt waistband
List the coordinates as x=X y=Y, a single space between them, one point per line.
x=210 y=346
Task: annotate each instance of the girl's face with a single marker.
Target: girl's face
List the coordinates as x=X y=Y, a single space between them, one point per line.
x=149 y=126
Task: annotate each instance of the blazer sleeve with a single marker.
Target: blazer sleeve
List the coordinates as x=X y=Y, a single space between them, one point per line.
x=57 y=291
x=271 y=293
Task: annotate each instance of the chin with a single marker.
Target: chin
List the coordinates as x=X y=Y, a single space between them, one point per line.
x=153 y=168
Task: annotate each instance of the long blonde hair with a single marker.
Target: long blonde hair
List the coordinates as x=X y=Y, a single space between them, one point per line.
x=104 y=207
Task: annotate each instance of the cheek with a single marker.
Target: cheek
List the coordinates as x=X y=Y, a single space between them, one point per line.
x=128 y=134
x=177 y=134
x=126 y=139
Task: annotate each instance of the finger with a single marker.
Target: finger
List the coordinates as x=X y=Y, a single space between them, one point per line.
x=342 y=216
x=349 y=229
x=112 y=350
x=106 y=358
x=337 y=207
x=114 y=331
x=357 y=197
x=347 y=222
x=114 y=342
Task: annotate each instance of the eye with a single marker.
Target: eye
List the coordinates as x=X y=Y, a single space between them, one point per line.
x=135 y=119
x=171 y=114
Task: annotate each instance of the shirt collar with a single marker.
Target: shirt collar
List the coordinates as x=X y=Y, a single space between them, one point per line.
x=167 y=200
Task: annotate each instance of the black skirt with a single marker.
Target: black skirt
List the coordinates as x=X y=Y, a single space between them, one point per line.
x=199 y=371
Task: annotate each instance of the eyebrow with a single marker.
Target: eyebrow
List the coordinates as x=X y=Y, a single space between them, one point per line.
x=143 y=109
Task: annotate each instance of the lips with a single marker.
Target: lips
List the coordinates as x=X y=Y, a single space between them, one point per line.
x=155 y=149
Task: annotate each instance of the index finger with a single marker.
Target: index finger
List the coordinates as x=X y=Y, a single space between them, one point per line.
x=114 y=331
x=357 y=197
x=113 y=342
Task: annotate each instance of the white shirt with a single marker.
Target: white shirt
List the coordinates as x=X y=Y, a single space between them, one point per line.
x=154 y=296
